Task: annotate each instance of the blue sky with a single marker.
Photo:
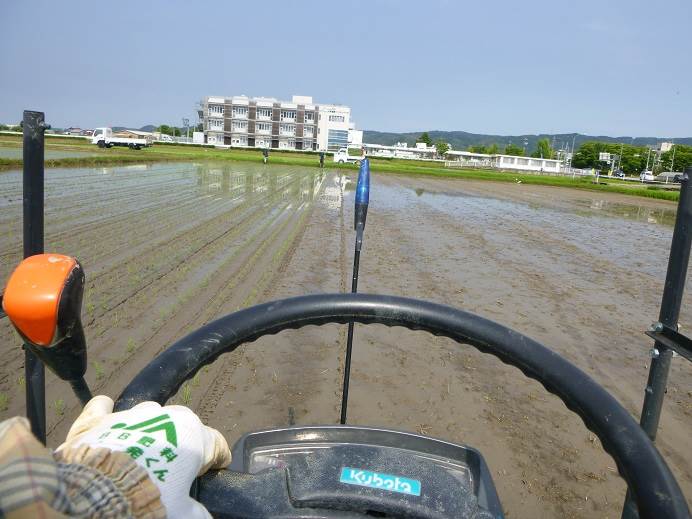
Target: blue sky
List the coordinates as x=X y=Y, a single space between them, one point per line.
x=504 y=67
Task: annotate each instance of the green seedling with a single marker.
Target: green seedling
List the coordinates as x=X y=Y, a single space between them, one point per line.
x=4 y=401
x=186 y=395
x=98 y=369
x=59 y=406
x=131 y=345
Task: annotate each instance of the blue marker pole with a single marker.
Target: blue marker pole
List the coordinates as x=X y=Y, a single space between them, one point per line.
x=362 y=199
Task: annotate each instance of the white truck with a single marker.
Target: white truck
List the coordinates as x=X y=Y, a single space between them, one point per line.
x=103 y=137
x=342 y=157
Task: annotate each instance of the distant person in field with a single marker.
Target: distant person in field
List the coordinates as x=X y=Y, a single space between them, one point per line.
x=265 y=155
x=321 y=159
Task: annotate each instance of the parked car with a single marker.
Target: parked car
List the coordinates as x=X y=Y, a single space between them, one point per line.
x=647 y=176
x=619 y=174
x=677 y=178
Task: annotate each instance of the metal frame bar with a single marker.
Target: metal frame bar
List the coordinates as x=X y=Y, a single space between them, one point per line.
x=34 y=127
x=662 y=352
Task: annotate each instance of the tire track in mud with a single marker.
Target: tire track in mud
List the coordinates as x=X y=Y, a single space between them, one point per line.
x=222 y=376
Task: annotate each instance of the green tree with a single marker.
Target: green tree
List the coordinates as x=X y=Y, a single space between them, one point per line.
x=442 y=147
x=632 y=161
x=513 y=149
x=165 y=129
x=424 y=137
x=543 y=149
x=479 y=148
x=681 y=160
x=493 y=149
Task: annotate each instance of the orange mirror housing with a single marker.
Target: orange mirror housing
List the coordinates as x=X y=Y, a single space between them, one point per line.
x=32 y=296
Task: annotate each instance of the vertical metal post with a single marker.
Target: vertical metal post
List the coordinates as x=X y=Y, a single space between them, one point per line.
x=34 y=128
x=668 y=316
x=349 y=341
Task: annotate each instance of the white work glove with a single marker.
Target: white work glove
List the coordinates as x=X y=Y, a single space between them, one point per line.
x=170 y=442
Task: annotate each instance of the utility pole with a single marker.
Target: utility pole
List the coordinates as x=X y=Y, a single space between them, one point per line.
x=186 y=125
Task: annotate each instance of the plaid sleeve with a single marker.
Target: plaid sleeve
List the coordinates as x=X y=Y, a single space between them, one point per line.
x=82 y=482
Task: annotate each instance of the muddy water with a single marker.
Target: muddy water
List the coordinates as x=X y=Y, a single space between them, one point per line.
x=169 y=247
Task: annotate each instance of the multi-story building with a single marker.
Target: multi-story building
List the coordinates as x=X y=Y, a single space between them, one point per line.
x=265 y=122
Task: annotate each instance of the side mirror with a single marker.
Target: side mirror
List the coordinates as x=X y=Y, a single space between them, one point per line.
x=43 y=299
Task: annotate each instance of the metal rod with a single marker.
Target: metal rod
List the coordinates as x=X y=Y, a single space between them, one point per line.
x=33 y=179
x=349 y=340
x=360 y=213
x=668 y=316
x=81 y=390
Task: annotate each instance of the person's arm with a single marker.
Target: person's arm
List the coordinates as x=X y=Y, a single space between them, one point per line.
x=89 y=483
x=138 y=463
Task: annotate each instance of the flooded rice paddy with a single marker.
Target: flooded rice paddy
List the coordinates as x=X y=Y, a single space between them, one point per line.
x=169 y=247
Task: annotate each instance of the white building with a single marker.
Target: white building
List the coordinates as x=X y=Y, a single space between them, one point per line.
x=265 y=122
x=401 y=150
x=467 y=158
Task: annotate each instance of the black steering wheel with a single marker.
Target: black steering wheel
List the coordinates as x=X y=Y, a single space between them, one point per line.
x=650 y=481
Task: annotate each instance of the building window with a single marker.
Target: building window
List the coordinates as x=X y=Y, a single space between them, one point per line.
x=214 y=138
x=239 y=126
x=308 y=131
x=215 y=110
x=239 y=111
x=336 y=119
x=264 y=113
x=263 y=128
x=337 y=139
x=216 y=124
x=287 y=129
x=309 y=117
x=288 y=115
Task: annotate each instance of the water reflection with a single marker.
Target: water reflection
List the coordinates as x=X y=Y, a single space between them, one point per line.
x=585 y=207
x=662 y=216
x=232 y=181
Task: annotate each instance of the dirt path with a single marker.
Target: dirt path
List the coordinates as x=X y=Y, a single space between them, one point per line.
x=169 y=248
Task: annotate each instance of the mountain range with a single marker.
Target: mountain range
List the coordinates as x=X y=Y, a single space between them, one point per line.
x=462 y=140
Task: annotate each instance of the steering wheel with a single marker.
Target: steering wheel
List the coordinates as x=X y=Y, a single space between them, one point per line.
x=649 y=479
